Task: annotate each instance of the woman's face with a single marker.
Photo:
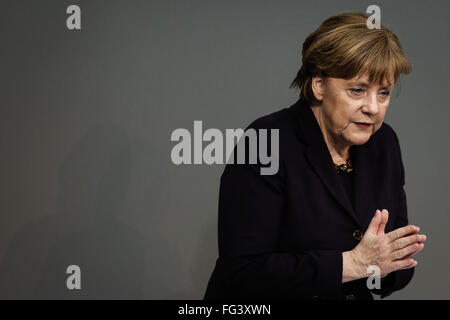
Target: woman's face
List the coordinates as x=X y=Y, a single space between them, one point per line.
x=352 y=110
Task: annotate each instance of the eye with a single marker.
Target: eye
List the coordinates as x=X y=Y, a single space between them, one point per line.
x=357 y=91
x=385 y=93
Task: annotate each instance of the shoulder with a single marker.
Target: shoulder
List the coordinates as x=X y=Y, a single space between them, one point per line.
x=280 y=120
x=276 y=145
x=385 y=144
x=386 y=138
x=386 y=132
x=276 y=120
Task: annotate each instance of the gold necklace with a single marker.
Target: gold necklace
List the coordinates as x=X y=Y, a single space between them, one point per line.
x=345 y=167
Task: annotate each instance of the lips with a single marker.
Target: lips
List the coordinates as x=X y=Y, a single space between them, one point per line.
x=363 y=125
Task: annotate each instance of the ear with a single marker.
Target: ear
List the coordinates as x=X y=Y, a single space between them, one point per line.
x=318 y=86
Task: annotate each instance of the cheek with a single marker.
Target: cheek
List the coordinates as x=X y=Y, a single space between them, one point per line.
x=344 y=114
x=341 y=110
x=341 y=121
x=349 y=115
x=381 y=115
x=379 y=120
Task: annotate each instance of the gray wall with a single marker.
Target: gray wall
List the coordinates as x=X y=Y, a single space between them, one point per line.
x=86 y=116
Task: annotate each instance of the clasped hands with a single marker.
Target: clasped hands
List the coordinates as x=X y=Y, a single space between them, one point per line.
x=388 y=251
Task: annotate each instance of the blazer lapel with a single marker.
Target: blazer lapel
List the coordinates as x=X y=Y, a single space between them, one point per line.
x=365 y=179
x=321 y=161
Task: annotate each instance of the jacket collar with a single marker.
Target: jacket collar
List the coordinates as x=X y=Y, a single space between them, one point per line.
x=318 y=156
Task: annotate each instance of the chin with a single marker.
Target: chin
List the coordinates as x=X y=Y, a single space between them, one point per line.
x=359 y=139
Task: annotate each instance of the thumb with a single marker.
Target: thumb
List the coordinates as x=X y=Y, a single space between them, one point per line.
x=384 y=220
x=375 y=223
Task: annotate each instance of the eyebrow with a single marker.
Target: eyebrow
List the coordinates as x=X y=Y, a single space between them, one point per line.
x=365 y=84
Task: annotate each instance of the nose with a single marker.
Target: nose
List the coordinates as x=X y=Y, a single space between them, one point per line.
x=370 y=105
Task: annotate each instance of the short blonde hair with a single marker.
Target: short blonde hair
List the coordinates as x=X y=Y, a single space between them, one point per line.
x=344 y=47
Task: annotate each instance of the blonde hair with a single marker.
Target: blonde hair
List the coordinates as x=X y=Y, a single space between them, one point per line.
x=344 y=47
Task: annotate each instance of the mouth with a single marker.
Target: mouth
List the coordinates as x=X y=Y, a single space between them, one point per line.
x=363 y=124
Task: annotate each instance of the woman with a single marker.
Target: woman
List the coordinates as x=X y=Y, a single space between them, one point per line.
x=336 y=207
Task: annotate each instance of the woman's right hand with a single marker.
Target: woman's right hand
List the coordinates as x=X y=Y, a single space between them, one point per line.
x=388 y=251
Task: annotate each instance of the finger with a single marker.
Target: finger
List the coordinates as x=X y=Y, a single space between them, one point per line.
x=415 y=252
x=406 y=241
x=405 y=264
x=384 y=220
x=401 y=232
x=411 y=249
x=374 y=223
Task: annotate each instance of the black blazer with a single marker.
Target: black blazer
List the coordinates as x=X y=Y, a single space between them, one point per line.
x=282 y=236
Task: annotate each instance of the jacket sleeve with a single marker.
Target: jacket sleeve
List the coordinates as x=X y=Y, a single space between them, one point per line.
x=251 y=208
x=398 y=279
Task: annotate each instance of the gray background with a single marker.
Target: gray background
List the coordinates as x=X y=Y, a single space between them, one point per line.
x=86 y=116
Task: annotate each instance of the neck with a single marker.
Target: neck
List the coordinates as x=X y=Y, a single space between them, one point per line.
x=339 y=150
